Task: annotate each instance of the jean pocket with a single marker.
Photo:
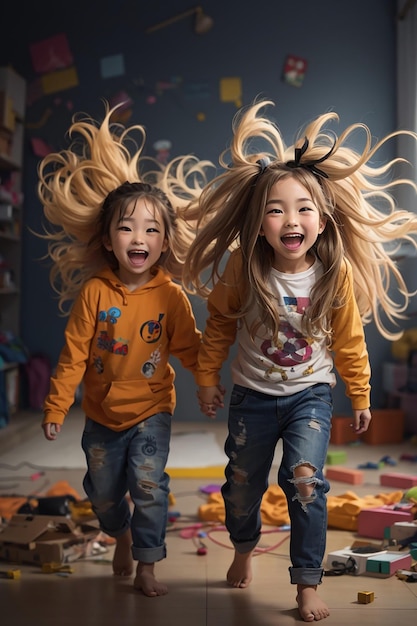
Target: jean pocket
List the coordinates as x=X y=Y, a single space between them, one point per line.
x=323 y=393
x=237 y=397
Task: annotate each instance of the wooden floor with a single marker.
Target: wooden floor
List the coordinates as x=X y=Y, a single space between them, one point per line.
x=198 y=595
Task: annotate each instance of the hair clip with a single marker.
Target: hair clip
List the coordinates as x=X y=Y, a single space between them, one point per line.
x=263 y=164
x=309 y=165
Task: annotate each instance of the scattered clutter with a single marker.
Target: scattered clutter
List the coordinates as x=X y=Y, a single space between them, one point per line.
x=53 y=568
x=14 y=574
x=40 y=539
x=373 y=521
x=367 y=561
x=409 y=577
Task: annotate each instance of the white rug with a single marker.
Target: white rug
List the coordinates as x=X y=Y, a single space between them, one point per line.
x=187 y=450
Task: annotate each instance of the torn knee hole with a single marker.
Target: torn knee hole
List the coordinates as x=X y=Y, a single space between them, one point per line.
x=304 y=479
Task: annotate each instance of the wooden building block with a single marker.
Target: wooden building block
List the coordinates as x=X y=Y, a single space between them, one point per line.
x=401 y=530
x=395 y=479
x=365 y=597
x=345 y=475
x=342 y=431
x=373 y=522
x=386 y=426
x=336 y=457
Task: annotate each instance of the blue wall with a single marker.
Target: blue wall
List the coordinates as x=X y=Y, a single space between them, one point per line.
x=351 y=53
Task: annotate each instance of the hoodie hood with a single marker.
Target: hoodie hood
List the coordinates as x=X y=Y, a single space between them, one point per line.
x=159 y=278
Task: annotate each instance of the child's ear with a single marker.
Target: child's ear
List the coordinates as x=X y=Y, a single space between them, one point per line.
x=165 y=245
x=322 y=226
x=107 y=244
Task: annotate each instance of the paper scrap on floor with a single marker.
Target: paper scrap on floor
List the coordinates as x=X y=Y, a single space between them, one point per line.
x=196 y=454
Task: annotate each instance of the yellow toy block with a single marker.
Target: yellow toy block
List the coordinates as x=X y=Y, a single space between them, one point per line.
x=365 y=597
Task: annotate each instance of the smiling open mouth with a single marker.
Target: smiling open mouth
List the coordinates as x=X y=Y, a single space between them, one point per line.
x=138 y=257
x=292 y=242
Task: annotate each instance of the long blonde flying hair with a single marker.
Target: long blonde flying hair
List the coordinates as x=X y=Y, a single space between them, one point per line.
x=353 y=196
x=74 y=184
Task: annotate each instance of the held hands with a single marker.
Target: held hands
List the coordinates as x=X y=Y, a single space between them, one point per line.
x=51 y=431
x=361 y=420
x=210 y=399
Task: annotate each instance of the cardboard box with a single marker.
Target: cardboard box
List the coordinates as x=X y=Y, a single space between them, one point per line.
x=38 y=539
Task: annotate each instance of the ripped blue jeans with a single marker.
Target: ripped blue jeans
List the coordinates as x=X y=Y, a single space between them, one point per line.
x=256 y=423
x=133 y=461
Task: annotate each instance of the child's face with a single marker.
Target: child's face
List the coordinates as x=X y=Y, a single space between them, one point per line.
x=137 y=241
x=291 y=225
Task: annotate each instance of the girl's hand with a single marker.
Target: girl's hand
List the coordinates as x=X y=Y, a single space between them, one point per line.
x=51 y=431
x=210 y=399
x=361 y=421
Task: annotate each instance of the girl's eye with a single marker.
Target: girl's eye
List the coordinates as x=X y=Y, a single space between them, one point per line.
x=124 y=228
x=274 y=211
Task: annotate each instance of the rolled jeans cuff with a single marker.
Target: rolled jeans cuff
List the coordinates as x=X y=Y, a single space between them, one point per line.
x=306 y=575
x=149 y=555
x=245 y=546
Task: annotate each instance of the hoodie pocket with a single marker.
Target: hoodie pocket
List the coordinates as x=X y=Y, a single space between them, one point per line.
x=127 y=399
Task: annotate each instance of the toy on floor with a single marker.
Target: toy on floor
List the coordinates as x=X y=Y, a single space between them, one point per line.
x=411 y=496
x=13 y=574
x=365 y=597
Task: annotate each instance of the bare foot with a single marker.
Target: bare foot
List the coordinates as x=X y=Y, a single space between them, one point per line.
x=122 y=558
x=146 y=582
x=240 y=571
x=310 y=606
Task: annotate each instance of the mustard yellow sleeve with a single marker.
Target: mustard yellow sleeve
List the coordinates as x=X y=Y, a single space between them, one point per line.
x=220 y=331
x=72 y=363
x=349 y=347
x=185 y=338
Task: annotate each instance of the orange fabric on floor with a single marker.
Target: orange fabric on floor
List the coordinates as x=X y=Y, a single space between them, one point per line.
x=10 y=505
x=342 y=510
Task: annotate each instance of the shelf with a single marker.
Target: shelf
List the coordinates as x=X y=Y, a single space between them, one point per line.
x=12 y=128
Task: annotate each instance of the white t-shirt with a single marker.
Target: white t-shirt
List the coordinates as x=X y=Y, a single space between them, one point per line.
x=298 y=361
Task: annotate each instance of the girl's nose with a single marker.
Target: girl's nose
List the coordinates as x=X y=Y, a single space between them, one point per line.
x=291 y=221
x=137 y=238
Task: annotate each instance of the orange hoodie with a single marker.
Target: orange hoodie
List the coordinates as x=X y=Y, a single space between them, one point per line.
x=118 y=343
